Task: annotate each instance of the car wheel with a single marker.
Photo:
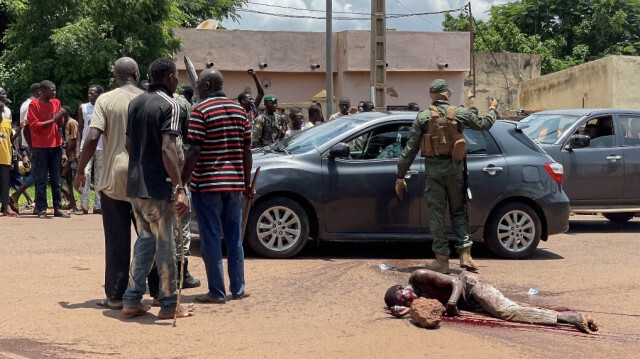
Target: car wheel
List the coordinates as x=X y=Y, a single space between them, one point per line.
x=513 y=231
x=278 y=228
x=619 y=217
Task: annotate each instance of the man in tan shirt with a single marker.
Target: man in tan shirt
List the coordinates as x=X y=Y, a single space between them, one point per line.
x=109 y=121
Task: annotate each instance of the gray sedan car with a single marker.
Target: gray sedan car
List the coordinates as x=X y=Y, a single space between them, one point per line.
x=335 y=182
x=600 y=152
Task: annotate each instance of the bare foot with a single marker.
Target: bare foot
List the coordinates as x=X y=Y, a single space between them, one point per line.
x=10 y=213
x=183 y=312
x=137 y=310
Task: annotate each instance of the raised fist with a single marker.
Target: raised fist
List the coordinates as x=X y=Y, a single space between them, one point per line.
x=493 y=103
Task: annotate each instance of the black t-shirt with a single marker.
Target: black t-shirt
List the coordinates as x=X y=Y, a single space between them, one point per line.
x=151 y=115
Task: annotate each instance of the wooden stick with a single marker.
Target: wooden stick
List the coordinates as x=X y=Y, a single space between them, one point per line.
x=245 y=213
x=181 y=236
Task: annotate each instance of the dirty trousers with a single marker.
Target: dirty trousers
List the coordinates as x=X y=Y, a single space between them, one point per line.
x=155 y=220
x=499 y=306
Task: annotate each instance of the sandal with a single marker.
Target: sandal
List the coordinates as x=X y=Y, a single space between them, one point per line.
x=106 y=303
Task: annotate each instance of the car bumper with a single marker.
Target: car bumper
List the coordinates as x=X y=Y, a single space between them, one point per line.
x=556 y=210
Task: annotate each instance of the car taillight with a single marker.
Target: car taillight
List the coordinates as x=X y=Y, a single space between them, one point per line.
x=555 y=170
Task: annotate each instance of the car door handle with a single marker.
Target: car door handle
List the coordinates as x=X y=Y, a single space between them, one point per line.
x=492 y=170
x=410 y=173
x=613 y=158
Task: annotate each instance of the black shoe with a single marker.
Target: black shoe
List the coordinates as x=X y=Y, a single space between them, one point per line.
x=189 y=282
x=187 y=279
x=42 y=214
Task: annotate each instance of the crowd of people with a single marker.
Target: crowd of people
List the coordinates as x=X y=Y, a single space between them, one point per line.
x=154 y=156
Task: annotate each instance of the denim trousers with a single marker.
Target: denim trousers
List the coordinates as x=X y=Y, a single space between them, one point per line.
x=155 y=220
x=218 y=213
x=48 y=162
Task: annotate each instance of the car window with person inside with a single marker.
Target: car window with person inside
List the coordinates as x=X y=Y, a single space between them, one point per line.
x=600 y=130
x=547 y=128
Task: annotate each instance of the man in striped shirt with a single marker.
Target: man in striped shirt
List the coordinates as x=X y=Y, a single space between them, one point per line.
x=219 y=165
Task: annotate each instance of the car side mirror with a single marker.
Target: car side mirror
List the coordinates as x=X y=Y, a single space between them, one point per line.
x=578 y=141
x=340 y=150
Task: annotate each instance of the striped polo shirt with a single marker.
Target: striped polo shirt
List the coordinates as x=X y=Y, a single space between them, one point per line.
x=221 y=128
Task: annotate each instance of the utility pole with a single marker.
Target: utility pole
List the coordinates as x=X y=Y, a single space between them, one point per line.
x=329 y=71
x=378 y=67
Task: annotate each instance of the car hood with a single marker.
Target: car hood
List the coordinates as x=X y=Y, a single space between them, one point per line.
x=267 y=158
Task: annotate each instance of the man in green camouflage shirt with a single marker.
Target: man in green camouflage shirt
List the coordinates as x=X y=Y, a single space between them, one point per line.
x=445 y=182
x=267 y=127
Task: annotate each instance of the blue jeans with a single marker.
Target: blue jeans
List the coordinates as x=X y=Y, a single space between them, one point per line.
x=48 y=162
x=220 y=212
x=155 y=220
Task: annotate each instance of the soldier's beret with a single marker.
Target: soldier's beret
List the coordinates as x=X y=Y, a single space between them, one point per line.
x=270 y=97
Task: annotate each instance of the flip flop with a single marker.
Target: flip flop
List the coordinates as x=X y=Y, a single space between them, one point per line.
x=105 y=304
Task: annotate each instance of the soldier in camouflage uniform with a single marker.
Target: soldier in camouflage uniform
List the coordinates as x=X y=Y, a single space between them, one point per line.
x=443 y=145
x=267 y=128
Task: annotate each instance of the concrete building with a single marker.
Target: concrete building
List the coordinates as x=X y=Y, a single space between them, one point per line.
x=286 y=63
x=500 y=76
x=605 y=83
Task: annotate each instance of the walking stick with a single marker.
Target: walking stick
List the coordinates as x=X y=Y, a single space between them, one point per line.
x=181 y=236
x=245 y=214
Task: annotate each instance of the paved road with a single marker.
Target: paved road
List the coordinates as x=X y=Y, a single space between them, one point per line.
x=325 y=303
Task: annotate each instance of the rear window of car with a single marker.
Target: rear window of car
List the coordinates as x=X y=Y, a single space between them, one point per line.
x=525 y=140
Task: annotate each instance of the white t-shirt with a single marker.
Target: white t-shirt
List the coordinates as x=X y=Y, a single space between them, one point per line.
x=24 y=109
x=87 y=114
x=6 y=113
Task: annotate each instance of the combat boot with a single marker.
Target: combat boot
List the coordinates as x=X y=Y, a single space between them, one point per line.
x=188 y=281
x=441 y=264
x=466 y=261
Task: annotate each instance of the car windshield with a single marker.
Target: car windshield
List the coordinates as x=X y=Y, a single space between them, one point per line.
x=547 y=128
x=316 y=136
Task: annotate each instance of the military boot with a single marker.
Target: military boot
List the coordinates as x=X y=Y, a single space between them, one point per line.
x=441 y=264
x=466 y=261
x=188 y=281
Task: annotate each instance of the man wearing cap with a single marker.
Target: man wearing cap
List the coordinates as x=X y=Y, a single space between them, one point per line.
x=267 y=128
x=437 y=133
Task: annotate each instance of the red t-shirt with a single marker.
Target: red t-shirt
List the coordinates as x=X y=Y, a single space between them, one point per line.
x=44 y=136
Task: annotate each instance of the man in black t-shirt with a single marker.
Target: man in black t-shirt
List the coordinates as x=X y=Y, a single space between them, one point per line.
x=153 y=174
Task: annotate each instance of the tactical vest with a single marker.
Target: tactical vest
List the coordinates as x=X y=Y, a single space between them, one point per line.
x=442 y=137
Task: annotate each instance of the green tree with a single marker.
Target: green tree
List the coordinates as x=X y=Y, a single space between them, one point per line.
x=564 y=32
x=74 y=42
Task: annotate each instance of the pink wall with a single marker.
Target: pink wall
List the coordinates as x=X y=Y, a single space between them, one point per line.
x=412 y=59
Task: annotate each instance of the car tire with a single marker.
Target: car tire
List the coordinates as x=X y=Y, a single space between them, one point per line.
x=271 y=238
x=619 y=217
x=513 y=231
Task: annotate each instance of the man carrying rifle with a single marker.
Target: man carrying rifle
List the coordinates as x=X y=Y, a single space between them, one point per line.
x=437 y=133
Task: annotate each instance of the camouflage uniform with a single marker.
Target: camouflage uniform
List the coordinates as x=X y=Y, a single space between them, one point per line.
x=267 y=129
x=444 y=177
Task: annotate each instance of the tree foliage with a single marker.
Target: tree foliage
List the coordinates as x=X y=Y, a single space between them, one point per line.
x=564 y=32
x=74 y=42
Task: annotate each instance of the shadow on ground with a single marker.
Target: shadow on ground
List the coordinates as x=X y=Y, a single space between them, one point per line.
x=382 y=250
x=577 y=225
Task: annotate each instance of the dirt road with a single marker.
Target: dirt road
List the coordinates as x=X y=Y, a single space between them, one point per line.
x=325 y=303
